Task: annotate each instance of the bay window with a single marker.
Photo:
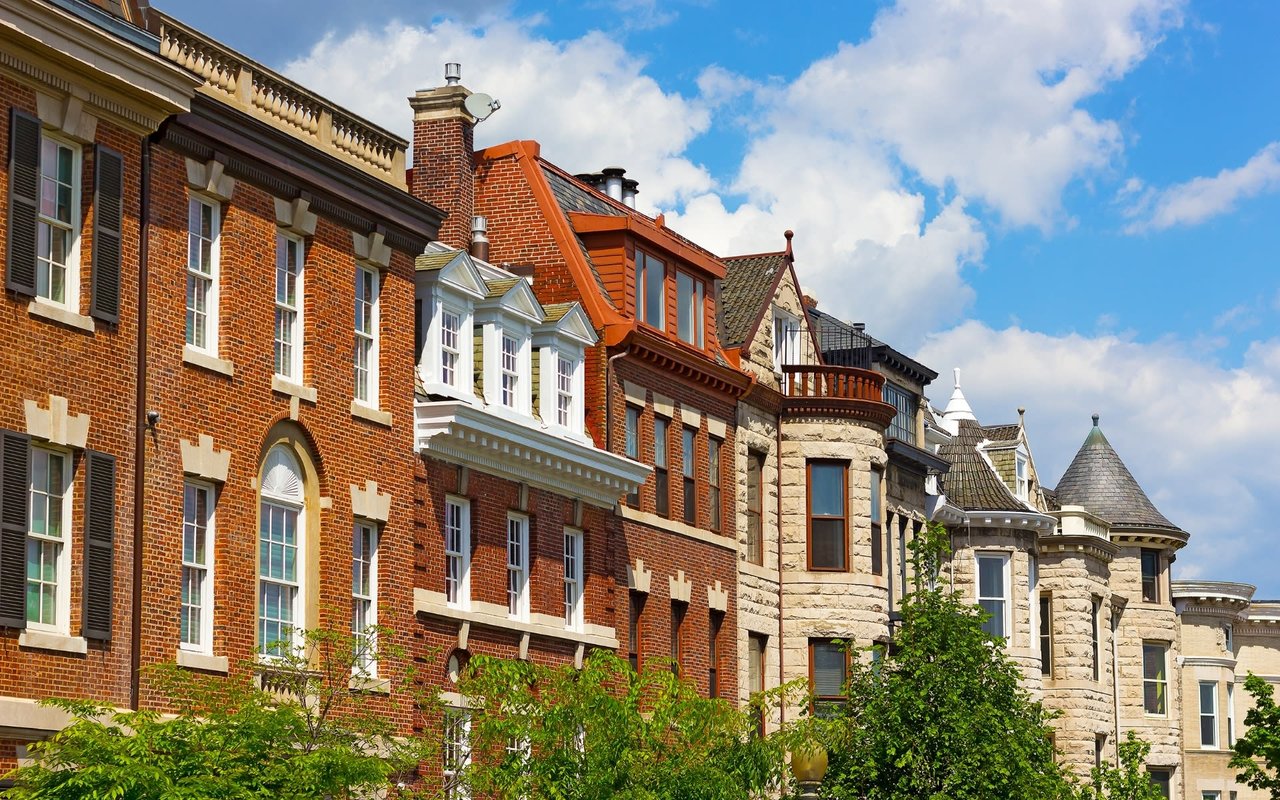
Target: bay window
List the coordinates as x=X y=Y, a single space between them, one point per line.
x=828 y=515
x=1155 y=682
x=993 y=586
x=1209 y=715
x=828 y=671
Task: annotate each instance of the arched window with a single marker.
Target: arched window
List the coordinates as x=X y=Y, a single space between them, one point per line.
x=281 y=554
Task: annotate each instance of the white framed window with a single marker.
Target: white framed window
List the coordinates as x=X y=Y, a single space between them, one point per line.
x=49 y=542
x=1231 y=714
x=1023 y=476
x=993 y=592
x=364 y=595
x=689 y=309
x=1155 y=680
x=456 y=752
x=572 y=579
x=1227 y=641
x=450 y=346
x=564 y=391
x=281 y=555
x=58 y=222
x=457 y=552
x=1209 y=715
x=196 y=619
x=786 y=340
x=203 y=222
x=518 y=566
x=509 y=371
x=288 y=327
x=366 y=336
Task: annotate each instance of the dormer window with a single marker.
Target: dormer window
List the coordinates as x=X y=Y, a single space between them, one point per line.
x=786 y=339
x=449 y=286
x=650 y=290
x=689 y=309
x=561 y=342
x=1022 y=477
x=564 y=391
x=510 y=371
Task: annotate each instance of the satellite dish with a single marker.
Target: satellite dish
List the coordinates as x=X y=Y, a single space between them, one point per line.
x=480 y=106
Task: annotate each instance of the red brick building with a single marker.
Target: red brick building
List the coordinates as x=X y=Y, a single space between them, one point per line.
x=657 y=387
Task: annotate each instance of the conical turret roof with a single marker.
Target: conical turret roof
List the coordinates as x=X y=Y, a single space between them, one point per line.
x=1098 y=480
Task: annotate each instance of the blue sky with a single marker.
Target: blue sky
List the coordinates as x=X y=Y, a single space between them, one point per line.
x=1075 y=203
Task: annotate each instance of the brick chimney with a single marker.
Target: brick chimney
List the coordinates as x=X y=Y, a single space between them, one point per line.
x=443 y=155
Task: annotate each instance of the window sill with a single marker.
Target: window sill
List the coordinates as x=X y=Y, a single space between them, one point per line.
x=758 y=571
x=286 y=386
x=364 y=412
x=60 y=642
x=494 y=616
x=202 y=661
x=201 y=359
x=370 y=685
x=40 y=307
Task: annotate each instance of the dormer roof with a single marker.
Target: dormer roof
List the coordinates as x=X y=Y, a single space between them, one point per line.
x=750 y=282
x=972 y=483
x=569 y=319
x=516 y=296
x=454 y=267
x=1098 y=480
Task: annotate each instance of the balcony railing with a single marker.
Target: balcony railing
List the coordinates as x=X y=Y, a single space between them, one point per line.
x=832 y=383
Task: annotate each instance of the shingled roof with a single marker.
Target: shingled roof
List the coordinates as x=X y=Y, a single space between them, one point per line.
x=1098 y=480
x=748 y=284
x=971 y=483
x=573 y=196
x=1001 y=433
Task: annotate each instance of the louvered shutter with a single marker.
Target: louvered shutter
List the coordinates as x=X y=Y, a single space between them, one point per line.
x=24 y=193
x=108 y=202
x=99 y=533
x=15 y=479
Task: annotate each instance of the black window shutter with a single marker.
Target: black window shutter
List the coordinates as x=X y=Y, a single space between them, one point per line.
x=15 y=471
x=108 y=203
x=99 y=533
x=24 y=193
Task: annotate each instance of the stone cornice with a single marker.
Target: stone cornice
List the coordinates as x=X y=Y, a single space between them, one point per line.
x=464 y=434
x=1014 y=520
x=1212 y=591
x=1100 y=549
x=1170 y=538
x=69 y=56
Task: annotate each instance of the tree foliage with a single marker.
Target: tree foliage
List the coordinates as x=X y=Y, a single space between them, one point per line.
x=941 y=713
x=1257 y=753
x=606 y=732
x=306 y=736
x=1129 y=781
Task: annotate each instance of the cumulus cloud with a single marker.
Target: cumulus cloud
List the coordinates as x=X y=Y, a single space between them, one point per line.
x=1202 y=438
x=583 y=99
x=1203 y=198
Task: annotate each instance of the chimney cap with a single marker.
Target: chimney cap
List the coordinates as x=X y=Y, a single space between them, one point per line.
x=452 y=73
x=610 y=172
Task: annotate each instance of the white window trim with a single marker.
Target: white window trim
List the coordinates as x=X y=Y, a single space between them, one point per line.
x=62 y=603
x=371 y=373
x=368 y=669
x=493 y=333
x=574 y=616
x=790 y=347
x=1022 y=475
x=207 y=593
x=210 y=346
x=1033 y=603
x=1007 y=598
x=464 y=742
x=463 y=600
x=301 y=559
x=1231 y=714
x=1213 y=713
x=549 y=389
x=72 y=299
x=295 y=361
x=438 y=300
x=521 y=566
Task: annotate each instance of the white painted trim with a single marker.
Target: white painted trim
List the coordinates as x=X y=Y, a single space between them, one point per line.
x=48 y=640
x=202 y=661
x=47 y=309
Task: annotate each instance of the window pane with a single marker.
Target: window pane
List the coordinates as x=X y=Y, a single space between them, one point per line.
x=826 y=489
x=632 y=447
x=991 y=577
x=827 y=543
x=653 y=291
x=687 y=451
x=828 y=669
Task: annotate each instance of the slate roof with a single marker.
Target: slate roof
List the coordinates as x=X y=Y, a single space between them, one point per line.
x=500 y=287
x=747 y=286
x=573 y=196
x=556 y=311
x=426 y=262
x=1098 y=480
x=1001 y=433
x=971 y=483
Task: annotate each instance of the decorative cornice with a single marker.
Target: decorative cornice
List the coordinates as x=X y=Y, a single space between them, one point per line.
x=875 y=412
x=1061 y=543
x=461 y=433
x=1212 y=592
x=675 y=360
x=1011 y=520
x=1171 y=538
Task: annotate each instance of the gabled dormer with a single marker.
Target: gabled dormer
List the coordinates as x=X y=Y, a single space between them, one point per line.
x=449 y=284
x=560 y=344
x=504 y=322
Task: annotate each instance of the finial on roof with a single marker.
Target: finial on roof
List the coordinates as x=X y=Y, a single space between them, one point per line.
x=1022 y=412
x=955 y=374
x=788 y=234
x=958 y=406
x=1095 y=419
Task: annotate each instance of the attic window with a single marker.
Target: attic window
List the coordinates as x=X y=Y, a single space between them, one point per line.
x=689 y=309
x=1023 y=481
x=650 y=294
x=786 y=339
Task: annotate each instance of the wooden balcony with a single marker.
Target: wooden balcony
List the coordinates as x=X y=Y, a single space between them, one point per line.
x=821 y=390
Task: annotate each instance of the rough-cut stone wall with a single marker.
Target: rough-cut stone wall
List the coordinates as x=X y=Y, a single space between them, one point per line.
x=758 y=584
x=1074 y=581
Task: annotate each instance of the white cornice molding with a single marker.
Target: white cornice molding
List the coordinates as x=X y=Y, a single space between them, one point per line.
x=1014 y=520
x=458 y=432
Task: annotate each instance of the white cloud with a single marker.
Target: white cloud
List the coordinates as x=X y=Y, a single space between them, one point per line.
x=1202 y=439
x=1202 y=198
x=586 y=100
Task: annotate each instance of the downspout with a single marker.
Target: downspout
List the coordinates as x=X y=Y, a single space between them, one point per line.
x=1115 y=679
x=777 y=521
x=608 y=398
x=140 y=431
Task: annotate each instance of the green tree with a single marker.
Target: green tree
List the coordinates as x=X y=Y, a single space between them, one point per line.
x=305 y=736
x=942 y=713
x=1257 y=753
x=1129 y=781
x=606 y=732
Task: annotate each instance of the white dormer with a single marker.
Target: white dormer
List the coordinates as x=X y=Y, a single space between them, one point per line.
x=505 y=319
x=449 y=285
x=561 y=341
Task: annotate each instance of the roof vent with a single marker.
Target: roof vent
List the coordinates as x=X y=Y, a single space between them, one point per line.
x=613 y=182
x=452 y=73
x=629 y=192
